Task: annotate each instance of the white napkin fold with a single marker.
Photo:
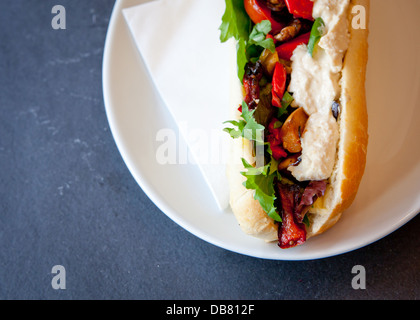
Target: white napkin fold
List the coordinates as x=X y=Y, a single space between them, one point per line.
x=179 y=43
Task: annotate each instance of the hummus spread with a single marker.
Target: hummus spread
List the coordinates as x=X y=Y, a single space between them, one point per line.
x=315 y=84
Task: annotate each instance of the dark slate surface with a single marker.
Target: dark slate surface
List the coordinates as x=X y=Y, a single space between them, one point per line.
x=67 y=198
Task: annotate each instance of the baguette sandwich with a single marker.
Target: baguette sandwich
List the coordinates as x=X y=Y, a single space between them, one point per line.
x=300 y=124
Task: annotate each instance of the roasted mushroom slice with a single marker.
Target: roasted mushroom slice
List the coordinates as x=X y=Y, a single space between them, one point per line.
x=292 y=130
x=291 y=160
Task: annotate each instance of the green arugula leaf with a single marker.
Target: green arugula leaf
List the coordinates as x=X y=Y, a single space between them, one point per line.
x=235 y=133
x=236 y=24
x=247 y=128
x=316 y=34
x=266 y=197
x=306 y=221
x=258 y=36
x=274 y=164
x=241 y=58
x=258 y=41
x=235 y=21
x=250 y=41
x=285 y=103
x=260 y=180
x=287 y=100
x=253 y=171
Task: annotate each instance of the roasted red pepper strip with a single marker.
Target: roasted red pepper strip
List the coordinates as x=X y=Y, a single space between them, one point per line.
x=300 y=8
x=291 y=233
x=275 y=140
x=258 y=12
x=279 y=84
x=285 y=50
x=275 y=132
x=278 y=152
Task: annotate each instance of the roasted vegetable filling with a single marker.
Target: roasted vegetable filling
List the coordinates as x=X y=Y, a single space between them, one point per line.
x=267 y=33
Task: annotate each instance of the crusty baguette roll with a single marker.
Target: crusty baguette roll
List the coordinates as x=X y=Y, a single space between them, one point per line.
x=350 y=157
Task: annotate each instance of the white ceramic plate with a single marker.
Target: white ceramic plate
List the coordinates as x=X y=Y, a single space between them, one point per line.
x=389 y=195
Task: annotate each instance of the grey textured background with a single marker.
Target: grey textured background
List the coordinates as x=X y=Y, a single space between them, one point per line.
x=66 y=196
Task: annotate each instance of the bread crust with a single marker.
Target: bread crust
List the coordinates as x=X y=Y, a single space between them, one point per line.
x=351 y=153
x=248 y=212
x=352 y=146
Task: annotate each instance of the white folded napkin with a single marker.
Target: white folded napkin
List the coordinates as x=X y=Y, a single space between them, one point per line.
x=179 y=43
